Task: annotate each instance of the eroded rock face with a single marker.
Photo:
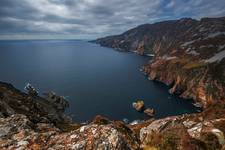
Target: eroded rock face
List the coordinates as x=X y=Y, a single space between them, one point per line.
x=200 y=83
x=189 y=55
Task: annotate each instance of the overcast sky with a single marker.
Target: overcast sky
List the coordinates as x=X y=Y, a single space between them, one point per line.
x=89 y=19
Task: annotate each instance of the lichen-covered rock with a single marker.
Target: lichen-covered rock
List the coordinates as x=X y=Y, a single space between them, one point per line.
x=195 y=131
x=154 y=127
x=21 y=133
x=94 y=136
x=17 y=132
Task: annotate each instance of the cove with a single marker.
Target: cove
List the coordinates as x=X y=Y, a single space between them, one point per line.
x=96 y=80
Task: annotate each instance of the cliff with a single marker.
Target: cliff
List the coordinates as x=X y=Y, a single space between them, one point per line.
x=189 y=55
x=26 y=122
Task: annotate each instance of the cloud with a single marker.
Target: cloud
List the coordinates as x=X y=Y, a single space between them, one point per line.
x=96 y=18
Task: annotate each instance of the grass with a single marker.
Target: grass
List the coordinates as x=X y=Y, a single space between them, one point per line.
x=194 y=64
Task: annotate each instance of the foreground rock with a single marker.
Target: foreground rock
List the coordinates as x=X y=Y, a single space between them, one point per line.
x=197 y=131
x=17 y=132
x=34 y=129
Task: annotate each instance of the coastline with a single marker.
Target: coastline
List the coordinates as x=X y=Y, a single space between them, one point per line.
x=195 y=103
x=36 y=128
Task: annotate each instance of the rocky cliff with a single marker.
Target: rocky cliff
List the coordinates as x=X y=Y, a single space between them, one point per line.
x=189 y=55
x=31 y=122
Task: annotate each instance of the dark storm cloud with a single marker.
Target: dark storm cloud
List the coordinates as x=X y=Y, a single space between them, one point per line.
x=95 y=18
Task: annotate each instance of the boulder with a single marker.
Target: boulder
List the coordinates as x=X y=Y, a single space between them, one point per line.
x=31 y=90
x=59 y=102
x=139 y=105
x=149 y=111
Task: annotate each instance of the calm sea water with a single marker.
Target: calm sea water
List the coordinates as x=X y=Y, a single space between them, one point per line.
x=95 y=80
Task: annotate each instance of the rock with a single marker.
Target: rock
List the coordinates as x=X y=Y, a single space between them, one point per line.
x=3 y=132
x=199 y=105
x=100 y=120
x=22 y=134
x=188 y=123
x=59 y=102
x=155 y=126
x=139 y=105
x=31 y=90
x=220 y=135
x=195 y=131
x=36 y=108
x=149 y=111
x=135 y=122
x=125 y=120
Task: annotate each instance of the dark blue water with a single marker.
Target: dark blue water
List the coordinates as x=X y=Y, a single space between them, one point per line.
x=96 y=80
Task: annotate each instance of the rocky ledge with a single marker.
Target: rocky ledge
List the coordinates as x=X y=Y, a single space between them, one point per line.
x=189 y=55
x=28 y=121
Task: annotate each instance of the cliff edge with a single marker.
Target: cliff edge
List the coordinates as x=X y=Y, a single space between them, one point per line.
x=189 y=55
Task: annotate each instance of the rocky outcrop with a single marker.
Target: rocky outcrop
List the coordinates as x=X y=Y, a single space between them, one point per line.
x=139 y=105
x=36 y=108
x=195 y=131
x=189 y=55
x=30 y=127
x=18 y=132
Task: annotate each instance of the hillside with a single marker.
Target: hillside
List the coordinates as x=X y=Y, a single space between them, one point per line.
x=189 y=55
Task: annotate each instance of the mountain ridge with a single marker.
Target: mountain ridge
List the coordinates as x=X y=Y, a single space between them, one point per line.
x=189 y=55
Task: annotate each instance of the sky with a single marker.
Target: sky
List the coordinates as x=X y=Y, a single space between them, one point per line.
x=90 y=19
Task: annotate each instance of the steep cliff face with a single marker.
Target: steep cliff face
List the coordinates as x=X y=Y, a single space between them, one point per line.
x=189 y=55
x=21 y=128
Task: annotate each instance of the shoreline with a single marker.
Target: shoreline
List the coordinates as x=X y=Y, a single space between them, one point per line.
x=36 y=121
